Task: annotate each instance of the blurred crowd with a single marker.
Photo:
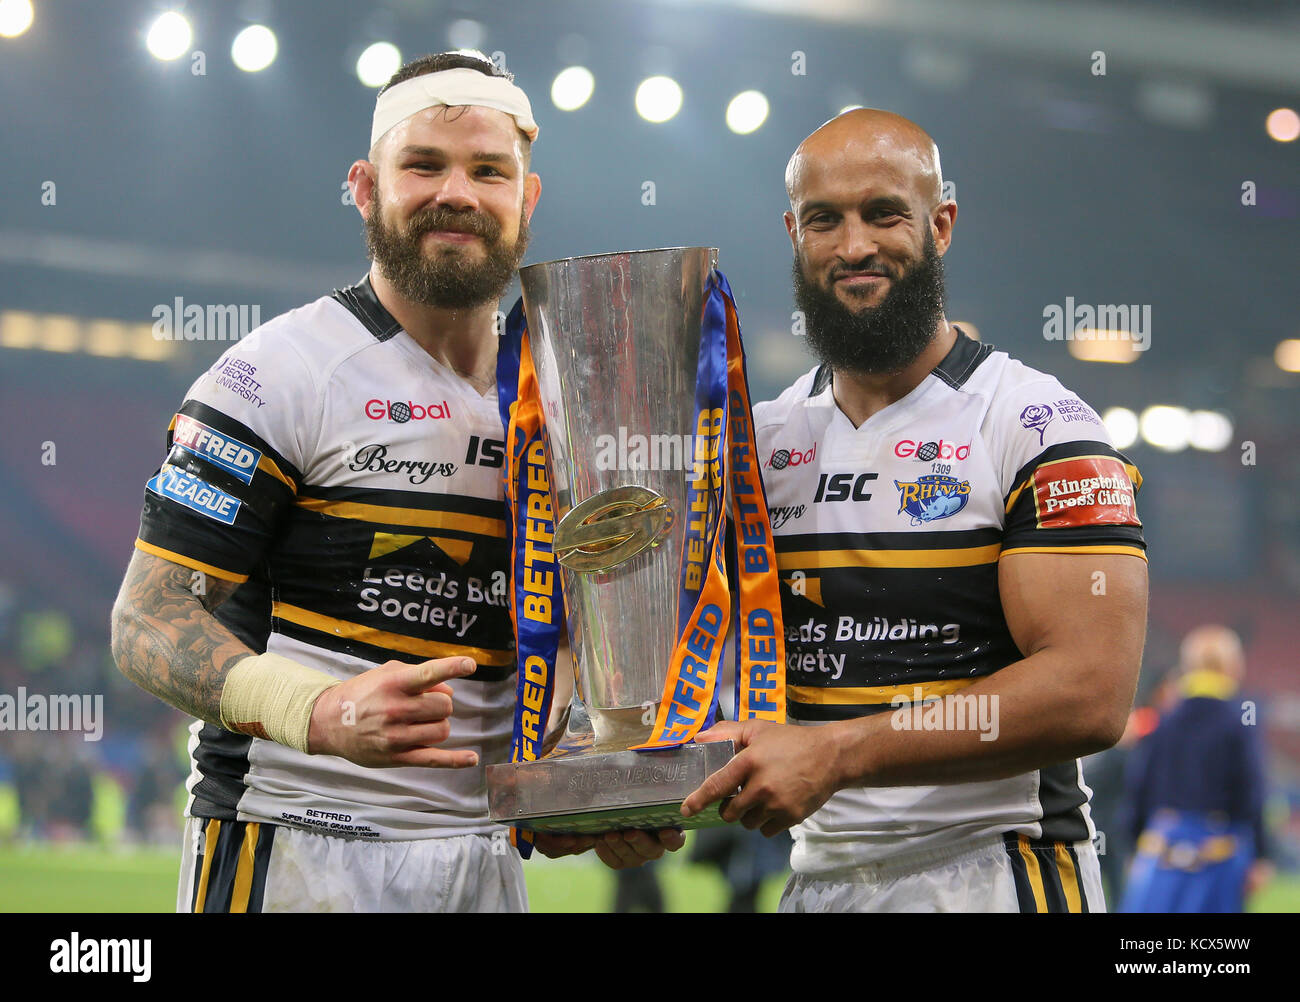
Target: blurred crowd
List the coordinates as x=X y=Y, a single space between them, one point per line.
x=128 y=785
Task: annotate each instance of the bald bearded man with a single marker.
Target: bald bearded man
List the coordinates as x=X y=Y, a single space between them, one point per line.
x=964 y=576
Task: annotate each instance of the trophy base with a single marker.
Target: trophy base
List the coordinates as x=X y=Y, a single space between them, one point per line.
x=586 y=794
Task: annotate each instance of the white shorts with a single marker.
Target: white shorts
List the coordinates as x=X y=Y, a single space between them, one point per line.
x=239 y=866
x=1011 y=873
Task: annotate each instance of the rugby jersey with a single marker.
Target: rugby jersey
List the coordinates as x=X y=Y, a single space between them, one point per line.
x=351 y=485
x=888 y=538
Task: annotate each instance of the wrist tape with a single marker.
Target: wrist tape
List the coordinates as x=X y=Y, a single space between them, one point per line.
x=271 y=697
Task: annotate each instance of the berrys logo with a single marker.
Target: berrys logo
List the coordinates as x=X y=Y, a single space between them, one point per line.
x=1087 y=490
x=1036 y=417
x=401 y=411
x=781 y=458
x=930 y=498
x=927 y=451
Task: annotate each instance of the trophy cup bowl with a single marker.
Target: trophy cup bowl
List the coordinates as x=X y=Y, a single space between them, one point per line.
x=615 y=343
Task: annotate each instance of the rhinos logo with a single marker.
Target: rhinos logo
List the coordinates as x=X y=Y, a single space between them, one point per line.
x=932 y=497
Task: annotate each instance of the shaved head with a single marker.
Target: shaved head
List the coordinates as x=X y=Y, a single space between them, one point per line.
x=869 y=228
x=869 y=136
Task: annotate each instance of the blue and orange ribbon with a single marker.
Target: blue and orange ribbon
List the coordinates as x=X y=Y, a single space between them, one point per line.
x=725 y=463
x=537 y=600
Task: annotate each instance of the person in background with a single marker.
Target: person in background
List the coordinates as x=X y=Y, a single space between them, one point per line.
x=1195 y=790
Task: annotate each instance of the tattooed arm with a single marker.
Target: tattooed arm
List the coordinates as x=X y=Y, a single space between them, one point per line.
x=166 y=639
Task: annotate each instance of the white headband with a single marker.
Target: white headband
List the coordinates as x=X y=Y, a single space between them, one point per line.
x=454 y=88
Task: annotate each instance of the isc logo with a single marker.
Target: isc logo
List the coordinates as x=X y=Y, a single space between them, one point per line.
x=492 y=452
x=842 y=486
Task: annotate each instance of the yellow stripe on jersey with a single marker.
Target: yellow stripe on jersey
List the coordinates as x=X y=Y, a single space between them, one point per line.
x=268 y=465
x=1069 y=878
x=415 y=517
x=382 y=638
x=209 y=851
x=244 y=869
x=190 y=562
x=1035 y=874
x=863 y=696
x=1132 y=471
x=968 y=556
x=1130 y=551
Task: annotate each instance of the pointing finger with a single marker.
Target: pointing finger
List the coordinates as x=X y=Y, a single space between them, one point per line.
x=424 y=676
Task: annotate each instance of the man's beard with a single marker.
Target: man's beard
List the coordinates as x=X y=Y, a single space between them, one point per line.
x=446 y=277
x=881 y=339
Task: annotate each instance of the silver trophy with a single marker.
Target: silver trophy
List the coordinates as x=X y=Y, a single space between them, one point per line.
x=615 y=341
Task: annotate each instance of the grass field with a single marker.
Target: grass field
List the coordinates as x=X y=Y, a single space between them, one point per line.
x=44 y=878
x=50 y=878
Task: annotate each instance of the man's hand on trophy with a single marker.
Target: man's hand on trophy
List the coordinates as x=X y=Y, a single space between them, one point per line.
x=618 y=850
x=783 y=773
x=391 y=715
x=626 y=849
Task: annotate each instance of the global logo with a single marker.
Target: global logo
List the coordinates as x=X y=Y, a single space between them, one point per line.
x=927 y=451
x=1036 y=417
x=932 y=497
x=781 y=458
x=402 y=411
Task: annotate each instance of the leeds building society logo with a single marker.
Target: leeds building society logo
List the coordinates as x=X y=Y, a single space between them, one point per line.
x=1036 y=417
x=932 y=497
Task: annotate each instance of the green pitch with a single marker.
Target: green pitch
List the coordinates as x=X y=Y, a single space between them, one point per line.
x=90 y=879
x=45 y=878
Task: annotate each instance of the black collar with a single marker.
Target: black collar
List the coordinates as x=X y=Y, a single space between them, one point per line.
x=360 y=300
x=962 y=359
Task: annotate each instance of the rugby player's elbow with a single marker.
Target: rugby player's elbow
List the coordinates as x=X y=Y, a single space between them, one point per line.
x=1101 y=727
x=122 y=630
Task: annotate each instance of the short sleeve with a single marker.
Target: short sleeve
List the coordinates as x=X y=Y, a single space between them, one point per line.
x=1066 y=488
x=235 y=452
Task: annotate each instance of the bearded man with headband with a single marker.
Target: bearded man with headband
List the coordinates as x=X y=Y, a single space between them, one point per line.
x=321 y=572
x=964 y=585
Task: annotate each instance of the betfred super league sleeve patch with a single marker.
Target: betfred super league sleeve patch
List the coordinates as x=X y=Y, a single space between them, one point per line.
x=1084 y=491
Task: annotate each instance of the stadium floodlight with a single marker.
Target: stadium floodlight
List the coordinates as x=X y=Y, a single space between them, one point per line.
x=1287 y=355
x=572 y=88
x=15 y=17
x=658 y=99
x=1283 y=124
x=1166 y=427
x=747 y=112
x=169 y=36
x=254 y=48
x=1209 y=431
x=466 y=34
x=377 y=63
x=1122 y=426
